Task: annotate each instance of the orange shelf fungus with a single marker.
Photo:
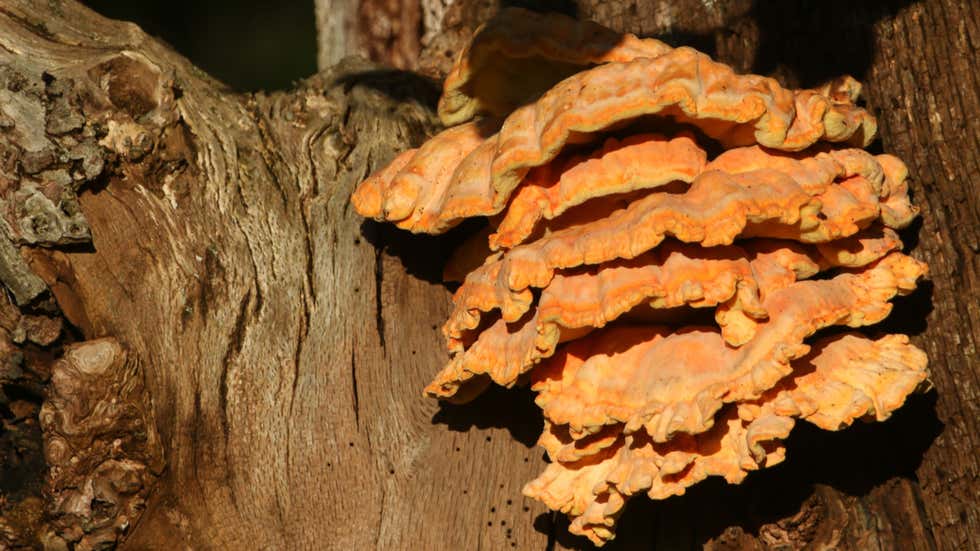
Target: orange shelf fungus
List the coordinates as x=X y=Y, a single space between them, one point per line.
x=643 y=161
x=520 y=54
x=842 y=379
x=666 y=305
x=668 y=381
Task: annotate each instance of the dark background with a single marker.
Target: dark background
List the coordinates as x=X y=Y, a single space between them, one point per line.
x=247 y=44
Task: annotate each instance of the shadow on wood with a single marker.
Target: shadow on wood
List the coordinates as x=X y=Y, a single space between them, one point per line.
x=512 y=409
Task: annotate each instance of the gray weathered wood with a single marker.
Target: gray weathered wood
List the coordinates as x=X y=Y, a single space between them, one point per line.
x=335 y=35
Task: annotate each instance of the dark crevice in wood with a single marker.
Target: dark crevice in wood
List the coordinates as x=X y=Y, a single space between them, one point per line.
x=308 y=245
x=353 y=377
x=270 y=150
x=381 y=518
x=379 y=318
x=234 y=347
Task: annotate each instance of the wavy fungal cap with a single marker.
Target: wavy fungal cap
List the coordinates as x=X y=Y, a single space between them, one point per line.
x=669 y=307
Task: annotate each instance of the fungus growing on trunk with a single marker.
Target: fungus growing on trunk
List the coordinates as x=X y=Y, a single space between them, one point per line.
x=612 y=229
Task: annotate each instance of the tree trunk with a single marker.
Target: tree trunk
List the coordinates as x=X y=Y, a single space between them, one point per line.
x=244 y=356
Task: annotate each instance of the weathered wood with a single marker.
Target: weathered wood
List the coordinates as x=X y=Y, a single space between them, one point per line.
x=283 y=342
x=283 y=352
x=335 y=31
x=391 y=32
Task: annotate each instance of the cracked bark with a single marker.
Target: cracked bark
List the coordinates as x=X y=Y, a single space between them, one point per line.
x=227 y=266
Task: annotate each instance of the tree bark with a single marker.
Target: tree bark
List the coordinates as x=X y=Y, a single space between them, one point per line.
x=244 y=355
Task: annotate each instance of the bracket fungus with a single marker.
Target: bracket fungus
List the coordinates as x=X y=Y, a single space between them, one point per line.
x=670 y=243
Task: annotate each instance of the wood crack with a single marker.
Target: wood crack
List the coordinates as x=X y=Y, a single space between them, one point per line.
x=315 y=137
x=379 y=320
x=308 y=245
x=270 y=148
x=381 y=517
x=235 y=342
x=353 y=376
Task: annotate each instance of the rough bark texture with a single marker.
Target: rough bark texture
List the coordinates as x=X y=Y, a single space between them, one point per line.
x=267 y=347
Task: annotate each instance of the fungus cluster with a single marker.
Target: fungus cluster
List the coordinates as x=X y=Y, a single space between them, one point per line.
x=666 y=240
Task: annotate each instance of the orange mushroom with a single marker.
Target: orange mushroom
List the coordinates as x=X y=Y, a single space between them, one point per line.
x=574 y=304
x=643 y=161
x=667 y=381
x=519 y=54
x=842 y=379
x=662 y=304
x=717 y=209
x=682 y=85
x=406 y=191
